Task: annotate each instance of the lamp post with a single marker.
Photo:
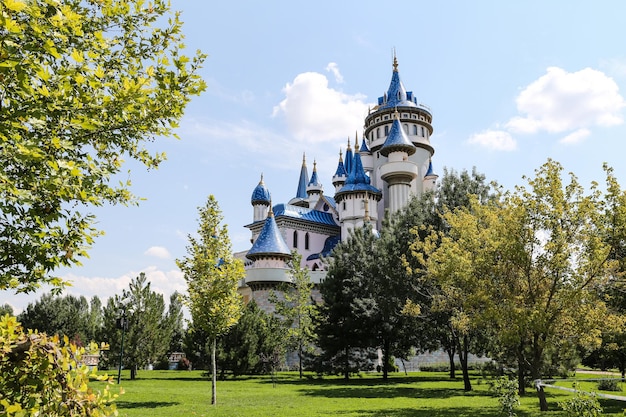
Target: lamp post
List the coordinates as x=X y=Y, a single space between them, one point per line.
x=122 y=323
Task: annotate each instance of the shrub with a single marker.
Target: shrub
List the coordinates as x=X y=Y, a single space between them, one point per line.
x=581 y=405
x=57 y=385
x=609 y=385
x=506 y=391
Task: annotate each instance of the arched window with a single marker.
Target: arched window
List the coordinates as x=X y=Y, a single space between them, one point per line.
x=306 y=241
x=406 y=128
x=295 y=238
x=315 y=267
x=377 y=132
x=423 y=131
x=386 y=130
x=415 y=129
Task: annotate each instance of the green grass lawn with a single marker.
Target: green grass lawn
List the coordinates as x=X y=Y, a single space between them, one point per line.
x=182 y=393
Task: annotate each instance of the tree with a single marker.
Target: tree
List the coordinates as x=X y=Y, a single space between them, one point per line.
x=67 y=315
x=421 y=217
x=42 y=375
x=526 y=267
x=295 y=306
x=256 y=337
x=86 y=84
x=148 y=328
x=6 y=309
x=212 y=275
x=343 y=332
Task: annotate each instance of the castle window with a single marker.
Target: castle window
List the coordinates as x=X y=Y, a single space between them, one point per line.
x=295 y=238
x=344 y=206
x=306 y=241
x=415 y=129
x=423 y=131
x=406 y=128
x=315 y=267
x=377 y=132
x=386 y=130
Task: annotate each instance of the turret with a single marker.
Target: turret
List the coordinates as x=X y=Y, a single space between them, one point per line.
x=398 y=172
x=366 y=156
x=314 y=189
x=430 y=179
x=357 y=199
x=260 y=200
x=339 y=179
x=270 y=255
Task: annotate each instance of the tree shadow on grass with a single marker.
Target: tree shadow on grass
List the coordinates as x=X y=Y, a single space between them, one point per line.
x=145 y=404
x=412 y=412
x=389 y=392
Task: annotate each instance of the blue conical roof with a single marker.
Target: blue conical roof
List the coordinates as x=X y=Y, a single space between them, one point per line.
x=397 y=140
x=349 y=158
x=303 y=181
x=430 y=172
x=341 y=169
x=397 y=95
x=364 y=148
x=260 y=194
x=358 y=180
x=270 y=241
x=314 y=180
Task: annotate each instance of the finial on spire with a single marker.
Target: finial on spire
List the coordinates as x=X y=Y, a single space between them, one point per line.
x=314 y=165
x=349 y=142
x=261 y=182
x=395 y=61
x=271 y=212
x=340 y=155
x=303 y=159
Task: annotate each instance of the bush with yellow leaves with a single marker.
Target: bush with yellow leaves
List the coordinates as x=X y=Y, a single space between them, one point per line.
x=41 y=375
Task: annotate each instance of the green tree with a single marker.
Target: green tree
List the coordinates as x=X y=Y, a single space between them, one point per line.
x=67 y=315
x=295 y=306
x=343 y=330
x=86 y=84
x=525 y=267
x=148 y=332
x=256 y=336
x=212 y=275
x=42 y=375
x=6 y=309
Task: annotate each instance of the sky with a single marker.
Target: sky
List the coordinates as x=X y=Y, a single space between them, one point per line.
x=509 y=84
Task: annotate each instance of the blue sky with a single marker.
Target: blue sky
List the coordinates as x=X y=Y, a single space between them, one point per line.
x=509 y=83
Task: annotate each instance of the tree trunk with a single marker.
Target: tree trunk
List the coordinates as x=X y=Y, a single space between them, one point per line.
x=133 y=372
x=213 y=373
x=463 y=353
x=300 y=359
x=521 y=368
x=451 y=352
x=346 y=370
x=385 y=359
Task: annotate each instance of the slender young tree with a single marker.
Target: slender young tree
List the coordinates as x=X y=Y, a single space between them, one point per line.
x=295 y=306
x=212 y=275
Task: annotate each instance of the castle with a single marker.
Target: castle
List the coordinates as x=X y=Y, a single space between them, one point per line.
x=392 y=163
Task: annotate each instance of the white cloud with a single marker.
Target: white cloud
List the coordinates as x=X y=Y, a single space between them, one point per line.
x=162 y=282
x=158 y=251
x=498 y=140
x=561 y=101
x=576 y=137
x=334 y=69
x=314 y=112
